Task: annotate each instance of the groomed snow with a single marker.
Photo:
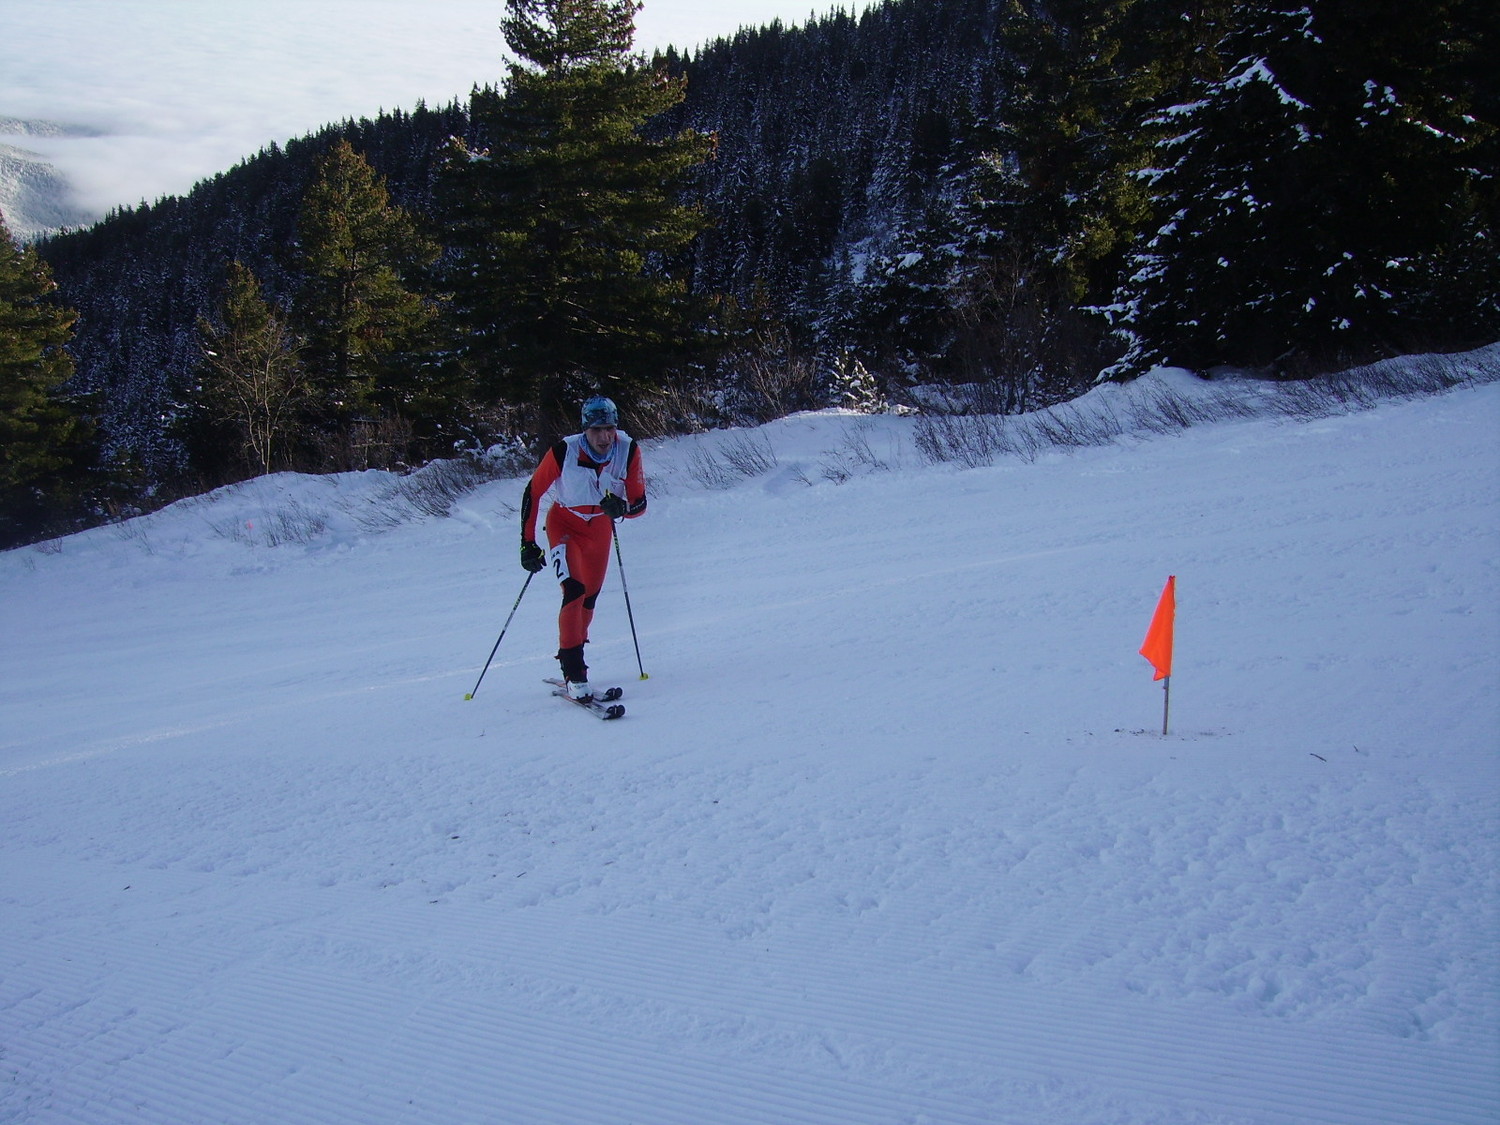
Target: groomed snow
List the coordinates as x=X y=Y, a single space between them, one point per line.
x=890 y=835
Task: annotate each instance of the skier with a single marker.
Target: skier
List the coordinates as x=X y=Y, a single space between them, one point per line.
x=595 y=478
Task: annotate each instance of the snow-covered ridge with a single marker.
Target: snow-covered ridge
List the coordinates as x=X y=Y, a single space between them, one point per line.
x=890 y=833
x=23 y=127
x=34 y=196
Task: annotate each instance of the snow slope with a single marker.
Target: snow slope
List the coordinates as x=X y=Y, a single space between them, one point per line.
x=890 y=834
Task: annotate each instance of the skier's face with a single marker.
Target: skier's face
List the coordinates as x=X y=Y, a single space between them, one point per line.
x=601 y=438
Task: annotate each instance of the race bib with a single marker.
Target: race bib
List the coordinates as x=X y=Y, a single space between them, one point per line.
x=557 y=559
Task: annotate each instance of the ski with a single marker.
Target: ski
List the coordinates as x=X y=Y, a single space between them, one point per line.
x=606 y=695
x=601 y=706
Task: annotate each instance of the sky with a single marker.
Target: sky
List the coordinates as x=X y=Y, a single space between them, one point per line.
x=154 y=95
x=890 y=833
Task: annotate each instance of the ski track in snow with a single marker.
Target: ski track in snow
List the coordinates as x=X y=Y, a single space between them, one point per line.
x=889 y=836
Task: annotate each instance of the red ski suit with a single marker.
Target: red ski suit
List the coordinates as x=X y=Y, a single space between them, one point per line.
x=577 y=480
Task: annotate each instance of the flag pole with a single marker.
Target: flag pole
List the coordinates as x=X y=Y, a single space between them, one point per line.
x=1157 y=647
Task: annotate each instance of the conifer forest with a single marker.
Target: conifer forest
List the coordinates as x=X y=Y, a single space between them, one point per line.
x=1013 y=199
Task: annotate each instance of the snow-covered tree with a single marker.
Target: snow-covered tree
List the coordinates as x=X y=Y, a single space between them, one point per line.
x=1057 y=201
x=1316 y=193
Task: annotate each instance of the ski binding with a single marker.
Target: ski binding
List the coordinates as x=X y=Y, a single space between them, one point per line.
x=601 y=706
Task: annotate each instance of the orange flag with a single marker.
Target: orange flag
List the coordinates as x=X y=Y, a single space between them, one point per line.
x=1157 y=647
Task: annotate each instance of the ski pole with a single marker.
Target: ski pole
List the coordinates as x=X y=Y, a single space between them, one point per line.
x=619 y=559
x=501 y=637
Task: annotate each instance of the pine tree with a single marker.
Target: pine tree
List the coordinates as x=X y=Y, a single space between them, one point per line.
x=1058 y=200
x=1061 y=174
x=1429 y=116
x=1320 y=193
x=565 y=226
x=901 y=310
x=254 y=381
x=355 y=308
x=43 y=441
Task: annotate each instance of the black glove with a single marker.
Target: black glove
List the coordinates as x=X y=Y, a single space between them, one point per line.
x=533 y=558
x=613 y=506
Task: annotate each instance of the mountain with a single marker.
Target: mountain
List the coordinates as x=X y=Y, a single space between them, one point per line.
x=954 y=190
x=34 y=197
x=837 y=143
x=891 y=833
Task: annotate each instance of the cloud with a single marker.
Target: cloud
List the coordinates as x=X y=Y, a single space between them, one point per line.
x=178 y=90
